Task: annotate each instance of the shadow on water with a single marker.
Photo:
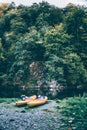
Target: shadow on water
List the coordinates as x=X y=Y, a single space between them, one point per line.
x=35 y=91
x=71 y=93
x=60 y=95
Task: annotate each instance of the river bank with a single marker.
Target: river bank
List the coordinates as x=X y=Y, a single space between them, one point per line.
x=45 y=117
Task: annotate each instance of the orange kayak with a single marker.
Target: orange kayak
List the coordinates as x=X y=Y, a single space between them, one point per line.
x=24 y=102
x=40 y=101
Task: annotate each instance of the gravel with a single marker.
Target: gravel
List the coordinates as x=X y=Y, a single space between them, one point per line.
x=43 y=117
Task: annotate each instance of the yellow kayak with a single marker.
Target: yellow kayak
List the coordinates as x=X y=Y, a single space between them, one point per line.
x=24 y=102
x=40 y=101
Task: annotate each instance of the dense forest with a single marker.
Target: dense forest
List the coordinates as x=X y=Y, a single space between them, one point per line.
x=42 y=44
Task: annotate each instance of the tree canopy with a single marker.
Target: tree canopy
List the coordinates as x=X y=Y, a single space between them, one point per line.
x=48 y=36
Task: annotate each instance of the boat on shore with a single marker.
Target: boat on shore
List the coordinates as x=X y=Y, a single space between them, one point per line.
x=26 y=100
x=39 y=101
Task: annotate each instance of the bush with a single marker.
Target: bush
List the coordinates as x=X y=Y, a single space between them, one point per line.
x=74 y=113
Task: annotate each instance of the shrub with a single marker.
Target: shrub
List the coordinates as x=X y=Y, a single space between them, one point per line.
x=74 y=113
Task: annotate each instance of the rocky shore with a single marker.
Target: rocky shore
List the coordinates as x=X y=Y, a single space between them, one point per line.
x=44 y=117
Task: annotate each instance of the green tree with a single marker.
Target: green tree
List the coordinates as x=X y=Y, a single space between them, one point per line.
x=57 y=42
x=75 y=21
x=28 y=49
x=18 y=25
x=74 y=70
x=63 y=64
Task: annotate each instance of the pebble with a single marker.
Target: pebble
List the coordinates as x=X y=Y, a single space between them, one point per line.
x=39 y=118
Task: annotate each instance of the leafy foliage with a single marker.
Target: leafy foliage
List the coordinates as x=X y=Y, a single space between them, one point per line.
x=43 y=33
x=74 y=112
x=8 y=100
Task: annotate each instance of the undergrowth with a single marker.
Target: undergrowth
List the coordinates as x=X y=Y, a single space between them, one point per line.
x=8 y=100
x=74 y=113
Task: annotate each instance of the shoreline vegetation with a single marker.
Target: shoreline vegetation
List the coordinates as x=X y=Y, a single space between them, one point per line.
x=70 y=112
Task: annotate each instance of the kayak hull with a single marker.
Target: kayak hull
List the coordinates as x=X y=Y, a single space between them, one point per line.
x=24 y=102
x=37 y=102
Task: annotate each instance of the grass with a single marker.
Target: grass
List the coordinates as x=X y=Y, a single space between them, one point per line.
x=8 y=100
x=74 y=113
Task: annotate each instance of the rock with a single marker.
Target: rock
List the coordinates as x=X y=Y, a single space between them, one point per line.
x=39 y=118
